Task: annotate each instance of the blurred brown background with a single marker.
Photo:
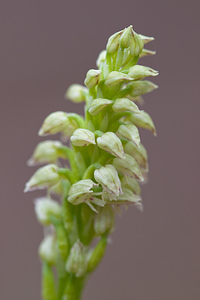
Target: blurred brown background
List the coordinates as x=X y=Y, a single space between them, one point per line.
x=46 y=46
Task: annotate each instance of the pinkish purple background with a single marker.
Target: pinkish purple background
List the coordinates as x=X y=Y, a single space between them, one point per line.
x=46 y=46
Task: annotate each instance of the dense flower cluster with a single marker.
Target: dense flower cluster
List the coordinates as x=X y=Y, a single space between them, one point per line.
x=106 y=163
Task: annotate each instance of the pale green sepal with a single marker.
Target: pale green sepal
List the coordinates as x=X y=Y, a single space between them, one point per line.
x=98 y=105
x=132 y=184
x=124 y=104
x=47 y=249
x=146 y=39
x=45 y=208
x=125 y=37
x=127 y=197
x=110 y=143
x=128 y=167
x=104 y=221
x=140 y=72
x=140 y=154
x=92 y=78
x=44 y=177
x=101 y=58
x=113 y=42
x=77 y=262
x=142 y=120
x=82 y=137
x=76 y=93
x=146 y=52
x=129 y=132
x=141 y=87
x=54 y=123
x=116 y=77
x=108 y=177
x=45 y=152
x=136 y=44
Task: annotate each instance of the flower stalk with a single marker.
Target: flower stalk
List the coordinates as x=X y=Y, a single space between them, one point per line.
x=95 y=167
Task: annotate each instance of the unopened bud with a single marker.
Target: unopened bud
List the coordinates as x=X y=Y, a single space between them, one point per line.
x=47 y=249
x=140 y=154
x=45 y=152
x=98 y=105
x=101 y=58
x=104 y=220
x=111 y=144
x=136 y=44
x=142 y=120
x=141 y=87
x=146 y=39
x=125 y=37
x=92 y=78
x=132 y=184
x=46 y=208
x=113 y=42
x=129 y=132
x=44 y=177
x=128 y=167
x=108 y=177
x=54 y=123
x=77 y=262
x=116 y=77
x=82 y=137
x=124 y=104
x=140 y=72
x=76 y=93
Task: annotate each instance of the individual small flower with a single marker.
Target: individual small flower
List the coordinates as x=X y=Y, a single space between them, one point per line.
x=140 y=154
x=125 y=37
x=44 y=177
x=45 y=208
x=108 y=177
x=131 y=183
x=128 y=167
x=113 y=42
x=129 y=132
x=111 y=144
x=146 y=39
x=47 y=249
x=98 y=105
x=140 y=72
x=136 y=44
x=76 y=93
x=146 y=52
x=45 y=152
x=92 y=78
x=58 y=122
x=77 y=261
x=104 y=221
x=82 y=137
x=142 y=120
x=116 y=77
x=141 y=87
x=128 y=197
x=81 y=192
x=124 y=104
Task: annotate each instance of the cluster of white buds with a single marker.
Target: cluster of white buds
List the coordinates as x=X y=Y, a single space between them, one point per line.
x=105 y=162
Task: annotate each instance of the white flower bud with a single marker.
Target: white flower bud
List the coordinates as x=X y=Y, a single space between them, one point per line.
x=113 y=42
x=54 y=123
x=129 y=132
x=101 y=58
x=141 y=87
x=47 y=249
x=124 y=104
x=131 y=183
x=140 y=72
x=125 y=37
x=76 y=93
x=92 y=78
x=81 y=191
x=128 y=167
x=111 y=144
x=146 y=39
x=108 y=177
x=136 y=44
x=104 y=221
x=140 y=154
x=77 y=262
x=44 y=177
x=45 y=152
x=142 y=120
x=98 y=105
x=82 y=137
x=45 y=208
x=116 y=77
